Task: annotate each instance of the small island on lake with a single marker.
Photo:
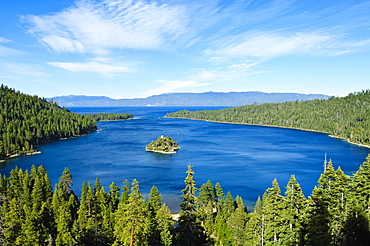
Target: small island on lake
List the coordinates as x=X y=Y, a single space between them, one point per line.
x=163 y=145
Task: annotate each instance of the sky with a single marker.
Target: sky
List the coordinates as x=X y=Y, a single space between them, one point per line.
x=139 y=48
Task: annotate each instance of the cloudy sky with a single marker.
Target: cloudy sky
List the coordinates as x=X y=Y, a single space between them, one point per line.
x=138 y=48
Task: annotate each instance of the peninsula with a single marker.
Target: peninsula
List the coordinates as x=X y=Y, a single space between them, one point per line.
x=163 y=145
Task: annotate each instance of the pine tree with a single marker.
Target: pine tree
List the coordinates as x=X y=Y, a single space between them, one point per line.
x=64 y=204
x=13 y=221
x=271 y=212
x=165 y=225
x=294 y=205
x=160 y=220
x=360 y=187
x=131 y=225
x=224 y=210
x=85 y=213
x=317 y=219
x=207 y=193
x=190 y=232
x=237 y=223
x=357 y=228
x=255 y=231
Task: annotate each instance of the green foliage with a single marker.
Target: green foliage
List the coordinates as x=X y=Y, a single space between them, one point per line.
x=336 y=213
x=346 y=117
x=190 y=231
x=27 y=121
x=163 y=145
x=110 y=116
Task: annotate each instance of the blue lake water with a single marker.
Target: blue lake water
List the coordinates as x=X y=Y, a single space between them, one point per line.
x=244 y=159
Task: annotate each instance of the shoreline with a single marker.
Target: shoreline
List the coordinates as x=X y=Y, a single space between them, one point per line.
x=283 y=127
x=38 y=151
x=35 y=152
x=161 y=151
x=114 y=120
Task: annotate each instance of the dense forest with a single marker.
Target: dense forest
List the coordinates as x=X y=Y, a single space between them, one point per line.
x=27 y=121
x=345 y=117
x=110 y=116
x=32 y=213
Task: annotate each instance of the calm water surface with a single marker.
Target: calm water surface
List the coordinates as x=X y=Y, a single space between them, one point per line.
x=244 y=159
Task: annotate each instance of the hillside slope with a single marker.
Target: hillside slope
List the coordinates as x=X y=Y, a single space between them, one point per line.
x=347 y=117
x=27 y=121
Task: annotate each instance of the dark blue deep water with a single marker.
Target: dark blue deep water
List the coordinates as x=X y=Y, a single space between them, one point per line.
x=244 y=159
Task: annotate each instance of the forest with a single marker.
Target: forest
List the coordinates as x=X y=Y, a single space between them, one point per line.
x=110 y=116
x=344 y=117
x=27 y=121
x=32 y=213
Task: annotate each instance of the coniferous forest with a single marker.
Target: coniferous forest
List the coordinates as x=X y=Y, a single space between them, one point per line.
x=110 y=116
x=27 y=121
x=33 y=212
x=345 y=117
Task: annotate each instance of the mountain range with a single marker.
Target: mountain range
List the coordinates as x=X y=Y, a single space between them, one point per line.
x=187 y=99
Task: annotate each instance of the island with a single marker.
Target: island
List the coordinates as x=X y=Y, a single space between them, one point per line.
x=163 y=145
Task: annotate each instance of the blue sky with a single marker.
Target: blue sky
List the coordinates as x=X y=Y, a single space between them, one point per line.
x=128 y=49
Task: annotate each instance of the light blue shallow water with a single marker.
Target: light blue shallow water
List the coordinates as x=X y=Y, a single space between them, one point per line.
x=244 y=159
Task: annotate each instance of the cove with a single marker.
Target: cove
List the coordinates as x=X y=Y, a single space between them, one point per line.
x=244 y=159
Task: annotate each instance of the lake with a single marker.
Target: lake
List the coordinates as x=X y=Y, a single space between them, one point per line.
x=244 y=159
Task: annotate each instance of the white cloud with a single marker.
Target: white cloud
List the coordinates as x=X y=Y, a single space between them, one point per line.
x=96 y=66
x=92 y=26
x=4 y=40
x=243 y=66
x=269 y=45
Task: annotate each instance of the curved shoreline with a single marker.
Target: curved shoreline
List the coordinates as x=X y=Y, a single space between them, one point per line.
x=34 y=152
x=284 y=127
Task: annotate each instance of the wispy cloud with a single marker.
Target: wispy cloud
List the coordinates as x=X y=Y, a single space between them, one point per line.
x=281 y=28
x=100 y=66
x=6 y=51
x=271 y=44
x=33 y=71
x=97 y=26
x=4 y=40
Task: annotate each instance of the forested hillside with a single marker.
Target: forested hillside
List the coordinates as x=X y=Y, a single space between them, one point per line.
x=32 y=213
x=347 y=117
x=27 y=121
x=110 y=116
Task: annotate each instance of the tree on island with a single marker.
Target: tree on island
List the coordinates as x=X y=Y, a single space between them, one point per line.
x=164 y=145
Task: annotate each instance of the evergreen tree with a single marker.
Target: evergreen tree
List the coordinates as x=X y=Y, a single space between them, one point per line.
x=360 y=187
x=271 y=211
x=224 y=210
x=131 y=225
x=237 y=223
x=317 y=221
x=86 y=219
x=357 y=228
x=294 y=205
x=165 y=225
x=65 y=205
x=160 y=220
x=190 y=232
x=255 y=230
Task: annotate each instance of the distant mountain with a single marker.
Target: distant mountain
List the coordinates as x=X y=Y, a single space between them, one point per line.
x=187 y=99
